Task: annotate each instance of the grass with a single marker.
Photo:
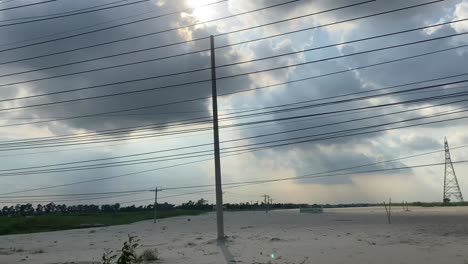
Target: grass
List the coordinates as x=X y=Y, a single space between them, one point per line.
x=55 y=222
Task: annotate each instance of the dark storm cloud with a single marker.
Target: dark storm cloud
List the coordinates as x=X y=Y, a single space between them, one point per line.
x=143 y=70
x=433 y=66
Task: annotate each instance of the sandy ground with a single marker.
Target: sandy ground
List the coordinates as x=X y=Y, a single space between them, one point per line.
x=357 y=235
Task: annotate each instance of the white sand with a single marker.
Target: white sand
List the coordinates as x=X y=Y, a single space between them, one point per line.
x=357 y=235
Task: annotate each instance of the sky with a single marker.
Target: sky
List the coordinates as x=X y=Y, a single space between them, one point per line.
x=327 y=60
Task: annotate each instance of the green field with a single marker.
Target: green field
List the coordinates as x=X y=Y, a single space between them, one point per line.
x=44 y=223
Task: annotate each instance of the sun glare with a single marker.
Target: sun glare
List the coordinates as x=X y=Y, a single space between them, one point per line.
x=201 y=11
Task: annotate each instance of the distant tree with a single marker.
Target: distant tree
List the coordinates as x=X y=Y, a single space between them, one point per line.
x=39 y=209
x=28 y=209
x=50 y=208
x=5 y=210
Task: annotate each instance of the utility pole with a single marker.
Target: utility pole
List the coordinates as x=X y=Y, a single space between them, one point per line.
x=266 y=197
x=217 y=159
x=271 y=203
x=155 y=202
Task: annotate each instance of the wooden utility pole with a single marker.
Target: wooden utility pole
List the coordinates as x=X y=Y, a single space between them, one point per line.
x=217 y=158
x=155 y=202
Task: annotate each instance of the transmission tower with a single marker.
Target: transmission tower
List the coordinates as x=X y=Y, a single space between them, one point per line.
x=451 y=187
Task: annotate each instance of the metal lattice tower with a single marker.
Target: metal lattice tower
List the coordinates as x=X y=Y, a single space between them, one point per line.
x=451 y=187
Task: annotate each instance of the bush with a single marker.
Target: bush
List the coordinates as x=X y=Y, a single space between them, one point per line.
x=149 y=255
x=127 y=255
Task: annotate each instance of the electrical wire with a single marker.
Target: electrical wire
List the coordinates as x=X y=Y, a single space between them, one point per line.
x=144 y=35
x=309 y=78
x=182 y=122
x=68 y=14
x=239 y=43
x=232 y=140
x=169 y=157
x=90 y=26
x=225 y=130
x=26 y=5
x=206 y=50
x=209 y=68
x=77 y=194
x=307 y=176
x=41 y=143
x=193 y=162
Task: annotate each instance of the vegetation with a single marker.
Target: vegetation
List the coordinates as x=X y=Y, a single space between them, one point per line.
x=24 y=218
x=447 y=203
x=59 y=221
x=150 y=255
x=128 y=253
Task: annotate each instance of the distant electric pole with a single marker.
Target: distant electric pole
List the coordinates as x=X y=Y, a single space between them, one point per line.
x=451 y=187
x=217 y=158
x=267 y=198
x=155 y=202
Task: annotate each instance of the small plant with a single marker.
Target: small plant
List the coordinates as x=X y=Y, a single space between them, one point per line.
x=127 y=255
x=149 y=255
x=107 y=257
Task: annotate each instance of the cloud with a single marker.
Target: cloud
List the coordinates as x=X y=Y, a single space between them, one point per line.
x=288 y=161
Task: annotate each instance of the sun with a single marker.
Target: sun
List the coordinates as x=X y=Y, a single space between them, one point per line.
x=201 y=11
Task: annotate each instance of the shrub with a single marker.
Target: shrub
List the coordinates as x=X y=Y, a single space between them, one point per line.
x=127 y=255
x=149 y=255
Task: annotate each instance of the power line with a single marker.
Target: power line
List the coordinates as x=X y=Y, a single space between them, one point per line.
x=144 y=35
x=86 y=27
x=199 y=51
x=107 y=178
x=26 y=5
x=157 y=47
x=67 y=12
x=178 y=43
x=152 y=140
x=208 y=68
x=319 y=26
x=346 y=42
x=319 y=175
x=234 y=140
x=71 y=14
x=307 y=176
x=28 y=144
x=6 y=1
x=341 y=56
x=75 y=194
x=188 y=163
x=190 y=121
x=69 y=200
x=276 y=35
x=219 y=78
x=126 y=53
x=152 y=160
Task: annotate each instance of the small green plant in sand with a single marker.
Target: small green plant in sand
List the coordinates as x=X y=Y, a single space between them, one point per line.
x=128 y=253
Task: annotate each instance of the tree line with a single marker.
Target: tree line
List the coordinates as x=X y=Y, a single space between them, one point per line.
x=202 y=204
x=51 y=208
